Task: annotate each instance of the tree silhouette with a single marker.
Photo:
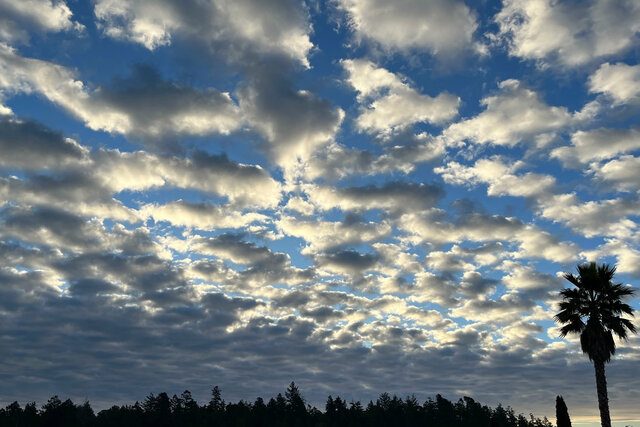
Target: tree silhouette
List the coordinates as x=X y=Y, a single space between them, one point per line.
x=295 y=401
x=562 y=414
x=216 y=404
x=594 y=309
x=183 y=411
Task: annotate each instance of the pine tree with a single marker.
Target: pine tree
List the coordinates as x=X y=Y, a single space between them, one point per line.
x=295 y=401
x=217 y=403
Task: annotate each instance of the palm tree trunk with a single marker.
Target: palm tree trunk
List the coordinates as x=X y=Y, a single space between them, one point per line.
x=603 y=399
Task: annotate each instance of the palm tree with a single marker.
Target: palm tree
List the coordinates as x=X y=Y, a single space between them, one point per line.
x=593 y=309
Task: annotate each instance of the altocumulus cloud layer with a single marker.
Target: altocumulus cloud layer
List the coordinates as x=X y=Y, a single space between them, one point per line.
x=356 y=196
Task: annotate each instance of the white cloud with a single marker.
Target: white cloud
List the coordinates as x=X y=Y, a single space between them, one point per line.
x=619 y=81
x=246 y=185
x=603 y=217
x=201 y=216
x=322 y=235
x=500 y=177
x=590 y=219
x=446 y=262
x=515 y=114
x=281 y=27
x=298 y=204
x=391 y=105
x=569 y=32
x=44 y=15
x=622 y=173
x=368 y=79
x=598 y=144
x=435 y=26
x=404 y=107
x=626 y=253
x=526 y=278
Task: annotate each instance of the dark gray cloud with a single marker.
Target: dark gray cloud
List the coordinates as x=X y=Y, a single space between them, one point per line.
x=393 y=196
x=48 y=226
x=90 y=287
x=232 y=247
x=142 y=105
x=402 y=153
x=30 y=145
x=293 y=122
x=158 y=109
x=347 y=261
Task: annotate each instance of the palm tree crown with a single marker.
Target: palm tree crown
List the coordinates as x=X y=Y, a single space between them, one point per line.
x=594 y=309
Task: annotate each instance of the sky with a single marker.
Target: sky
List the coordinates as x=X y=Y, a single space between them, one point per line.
x=357 y=195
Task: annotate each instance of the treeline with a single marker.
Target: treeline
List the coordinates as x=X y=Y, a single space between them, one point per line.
x=289 y=410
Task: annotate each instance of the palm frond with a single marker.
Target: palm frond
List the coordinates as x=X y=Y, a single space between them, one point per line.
x=593 y=309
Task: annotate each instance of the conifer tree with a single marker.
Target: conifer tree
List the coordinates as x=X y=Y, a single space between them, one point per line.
x=217 y=403
x=562 y=414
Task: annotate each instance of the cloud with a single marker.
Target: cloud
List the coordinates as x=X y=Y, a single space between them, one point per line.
x=246 y=185
x=526 y=278
x=570 y=33
x=259 y=266
x=30 y=145
x=391 y=105
x=590 y=219
x=500 y=177
x=51 y=227
x=336 y=161
x=202 y=216
x=232 y=247
x=281 y=28
x=624 y=249
x=19 y=16
x=392 y=196
x=88 y=196
x=598 y=144
x=619 y=81
x=438 y=27
x=430 y=287
x=593 y=218
x=622 y=173
x=91 y=180
x=156 y=108
x=347 y=262
x=506 y=309
x=513 y=115
x=295 y=123
x=324 y=235
x=91 y=287
x=142 y=105
x=430 y=227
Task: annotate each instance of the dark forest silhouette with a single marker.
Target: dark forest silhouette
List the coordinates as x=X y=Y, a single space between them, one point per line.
x=289 y=410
